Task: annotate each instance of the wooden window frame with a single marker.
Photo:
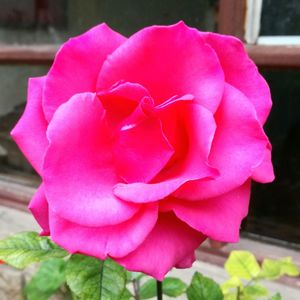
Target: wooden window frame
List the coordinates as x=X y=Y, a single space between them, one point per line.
x=231 y=20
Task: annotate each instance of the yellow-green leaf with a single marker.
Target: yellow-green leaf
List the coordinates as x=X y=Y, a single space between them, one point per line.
x=233 y=282
x=255 y=290
x=242 y=264
x=273 y=269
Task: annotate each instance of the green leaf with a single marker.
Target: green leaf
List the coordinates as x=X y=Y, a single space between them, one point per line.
x=90 y=278
x=47 y=280
x=255 y=290
x=126 y=295
x=273 y=269
x=242 y=264
x=233 y=282
x=148 y=289
x=25 y=248
x=203 y=288
x=172 y=287
x=276 y=297
x=288 y=267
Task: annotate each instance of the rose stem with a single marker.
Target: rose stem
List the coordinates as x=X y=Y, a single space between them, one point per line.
x=159 y=290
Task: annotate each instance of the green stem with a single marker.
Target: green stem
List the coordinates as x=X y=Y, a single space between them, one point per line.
x=238 y=293
x=159 y=290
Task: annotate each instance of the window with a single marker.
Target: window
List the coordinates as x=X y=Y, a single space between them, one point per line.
x=271 y=32
x=270 y=29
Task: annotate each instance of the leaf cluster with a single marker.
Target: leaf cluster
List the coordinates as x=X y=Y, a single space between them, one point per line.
x=81 y=277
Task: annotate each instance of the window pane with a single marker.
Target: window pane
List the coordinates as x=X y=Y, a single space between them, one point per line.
x=275 y=207
x=53 y=21
x=280 y=17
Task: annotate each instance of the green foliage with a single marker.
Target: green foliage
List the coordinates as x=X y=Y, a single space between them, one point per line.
x=148 y=289
x=276 y=297
x=247 y=274
x=242 y=264
x=47 y=280
x=233 y=282
x=26 y=248
x=255 y=291
x=172 y=287
x=90 y=278
x=273 y=269
x=203 y=288
x=126 y=295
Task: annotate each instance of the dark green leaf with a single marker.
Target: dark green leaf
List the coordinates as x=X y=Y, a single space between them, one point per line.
x=276 y=297
x=203 y=288
x=172 y=287
x=25 y=248
x=47 y=280
x=148 y=289
x=126 y=295
x=90 y=278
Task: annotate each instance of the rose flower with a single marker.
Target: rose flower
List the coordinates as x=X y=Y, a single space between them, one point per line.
x=146 y=146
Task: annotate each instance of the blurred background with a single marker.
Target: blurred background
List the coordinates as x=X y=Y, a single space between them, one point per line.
x=31 y=31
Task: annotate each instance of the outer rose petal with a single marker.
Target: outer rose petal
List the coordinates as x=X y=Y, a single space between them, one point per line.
x=238 y=147
x=169 y=243
x=77 y=64
x=116 y=240
x=167 y=61
x=78 y=170
x=241 y=72
x=200 y=126
x=264 y=172
x=218 y=218
x=40 y=210
x=187 y=262
x=30 y=131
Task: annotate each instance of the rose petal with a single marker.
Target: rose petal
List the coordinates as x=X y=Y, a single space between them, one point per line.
x=200 y=126
x=167 y=61
x=77 y=64
x=239 y=145
x=141 y=151
x=115 y=240
x=168 y=244
x=121 y=100
x=241 y=72
x=39 y=208
x=218 y=218
x=30 y=131
x=264 y=172
x=78 y=170
x=187 y=262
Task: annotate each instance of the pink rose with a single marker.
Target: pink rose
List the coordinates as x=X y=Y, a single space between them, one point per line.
x=146 y=145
